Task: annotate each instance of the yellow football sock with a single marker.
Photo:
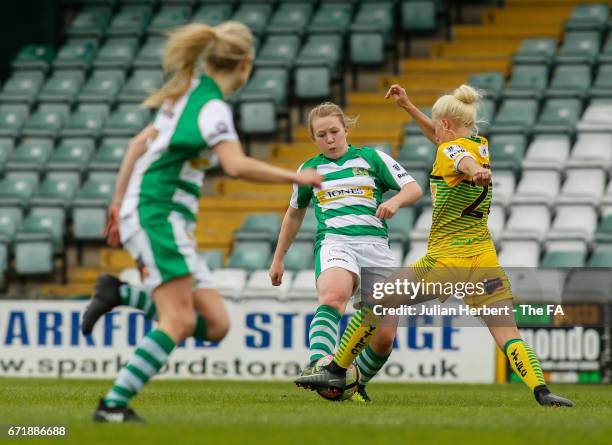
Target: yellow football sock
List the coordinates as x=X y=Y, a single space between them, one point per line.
x=356 y=337
x=524 y=363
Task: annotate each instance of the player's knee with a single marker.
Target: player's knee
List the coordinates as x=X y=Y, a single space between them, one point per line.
x=182 y=324
x=383 y=341
x=334 y=299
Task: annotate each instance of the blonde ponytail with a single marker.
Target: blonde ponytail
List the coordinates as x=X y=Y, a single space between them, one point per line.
x=461 y=107
x=221 y=47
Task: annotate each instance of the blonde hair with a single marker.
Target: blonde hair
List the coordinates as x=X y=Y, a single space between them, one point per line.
x=220 y=47
x=461 y=107
x=326 y=109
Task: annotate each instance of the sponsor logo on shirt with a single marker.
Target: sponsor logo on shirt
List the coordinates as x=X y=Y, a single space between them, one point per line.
x=335 y=193
x=452 y=151
x=220 y=129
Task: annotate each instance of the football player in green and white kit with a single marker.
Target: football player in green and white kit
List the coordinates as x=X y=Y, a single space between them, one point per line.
x=351 y=231
x=156 y=200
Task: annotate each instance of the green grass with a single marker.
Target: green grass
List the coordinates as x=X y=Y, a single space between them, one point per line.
x=224 y=412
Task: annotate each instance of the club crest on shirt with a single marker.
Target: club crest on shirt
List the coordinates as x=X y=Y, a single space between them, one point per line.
x=484 y=151
x=360 y=171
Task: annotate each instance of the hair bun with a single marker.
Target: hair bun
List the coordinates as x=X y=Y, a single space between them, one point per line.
x=467 y=94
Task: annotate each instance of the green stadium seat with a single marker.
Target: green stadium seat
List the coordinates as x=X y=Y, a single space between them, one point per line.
x=279 y=50
x=127 y=121
x=601 y=256
x=89 y=208
x=579 y=47
x=570 y=81
x=151 y=53
x=290 y=18
x=401 y=224
x=417 y=152
x=515 y=116
x=367 y=45
x=255 y=16
x=563 y=259
x=31 y=155
x=418 y=15
x=323 y=49
x=56 y=192
x=90 y=22
x=16 y=190
x=539 y=51
x=605 y=56
x=507 y=151
x=12 y=119
x=109 y=155
x=47 y=120
x=257 y=115
x=380 y=15
x=40 y=236
x=559 y=116
x=300 y=256
x=491 y=83
x=250 y=255
x=130 y=21
x=62 y=86
x=259 y=227
x=78 y=54
x=7 y=146
x=71 y=155
x=602 y=87
x=169 y=17
x=117 y=54
x=271 y=82
x=312 y=81
x=214 y=258
x=86 y=120
x=10 y=220
x=332 y=18
x=212 y=14
x=603 y=234
x=527 y=81
x=37 y=57
x=592 y=16
x=22 y=87
x=102 y=86
x=140 y=85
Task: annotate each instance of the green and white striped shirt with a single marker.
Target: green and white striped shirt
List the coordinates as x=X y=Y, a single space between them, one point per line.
x=169 y=176
x=345 y=205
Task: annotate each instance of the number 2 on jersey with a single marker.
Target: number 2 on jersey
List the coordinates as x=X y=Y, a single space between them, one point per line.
x=471 y=209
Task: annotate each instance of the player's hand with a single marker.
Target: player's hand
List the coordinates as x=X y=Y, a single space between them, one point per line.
x=111 y=230
x=482 y=176
x=276 y=272
x=308 y=177
x=387 y=209
x=398 y=94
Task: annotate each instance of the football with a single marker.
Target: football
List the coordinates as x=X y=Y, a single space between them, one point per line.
x=351 y=383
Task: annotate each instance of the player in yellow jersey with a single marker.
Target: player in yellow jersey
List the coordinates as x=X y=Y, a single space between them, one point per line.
x=460 y=247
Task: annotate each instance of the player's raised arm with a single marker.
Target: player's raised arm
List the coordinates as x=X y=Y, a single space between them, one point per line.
x=408 y=194
x=397 y=93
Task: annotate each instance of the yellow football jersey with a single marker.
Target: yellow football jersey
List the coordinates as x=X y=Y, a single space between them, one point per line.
x=460 y=208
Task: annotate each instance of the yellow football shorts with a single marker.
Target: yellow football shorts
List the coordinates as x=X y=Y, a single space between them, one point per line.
x=449 y=276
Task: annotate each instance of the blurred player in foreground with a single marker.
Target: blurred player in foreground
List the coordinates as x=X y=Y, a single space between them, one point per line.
x=156 y=199
x=351 y=231
x=459 y=241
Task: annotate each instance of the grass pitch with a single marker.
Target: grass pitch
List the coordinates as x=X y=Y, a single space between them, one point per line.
x=229 y=412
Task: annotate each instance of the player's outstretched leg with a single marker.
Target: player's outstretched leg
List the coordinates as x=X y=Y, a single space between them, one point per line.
x=110 y=292
x=372 y=359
